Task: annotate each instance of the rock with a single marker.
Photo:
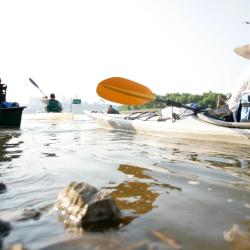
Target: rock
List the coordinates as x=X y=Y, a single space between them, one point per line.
x=108 y=242
x=22 y=214
x=4 y=228
x=17 y=246
x=239 y=239
x=30 y=213
x=2 y=187
x=83 y=205
x=88 y=242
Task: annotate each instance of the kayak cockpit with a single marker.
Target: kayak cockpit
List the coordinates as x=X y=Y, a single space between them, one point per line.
x=169 y=113
x=173 y=113
x=206 y=117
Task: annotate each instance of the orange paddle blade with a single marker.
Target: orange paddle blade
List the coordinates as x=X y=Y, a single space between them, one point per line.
x=124 y=91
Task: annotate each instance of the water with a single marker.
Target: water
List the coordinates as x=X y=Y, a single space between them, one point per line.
x=173 y=194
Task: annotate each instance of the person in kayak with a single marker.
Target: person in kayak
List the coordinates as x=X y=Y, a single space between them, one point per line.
x=52 y=105
x=238 y=103
x=111 y=110
x=3 y=88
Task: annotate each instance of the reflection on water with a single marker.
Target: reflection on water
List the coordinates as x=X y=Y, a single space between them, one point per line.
x=9 y=146
x=190 y=192
x=136 y=195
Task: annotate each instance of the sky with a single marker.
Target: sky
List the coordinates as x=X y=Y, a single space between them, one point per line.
x=68 y=46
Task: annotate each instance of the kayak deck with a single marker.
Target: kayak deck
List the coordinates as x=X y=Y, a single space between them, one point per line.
x=188 y=127
x=55 y=116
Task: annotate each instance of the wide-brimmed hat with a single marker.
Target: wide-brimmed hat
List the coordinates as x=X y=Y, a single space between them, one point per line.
x=243 y=51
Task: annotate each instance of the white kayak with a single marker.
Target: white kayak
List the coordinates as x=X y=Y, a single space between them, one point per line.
x=200 y=126
x=54 y=116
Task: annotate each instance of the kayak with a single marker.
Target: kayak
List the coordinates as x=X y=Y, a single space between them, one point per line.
x=11 y=117
x=199 y=126
x=54 y=116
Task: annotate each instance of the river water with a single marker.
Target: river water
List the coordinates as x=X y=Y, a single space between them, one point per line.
x=173 y=194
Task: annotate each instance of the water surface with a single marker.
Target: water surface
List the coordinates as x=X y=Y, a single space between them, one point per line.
x=175 y=194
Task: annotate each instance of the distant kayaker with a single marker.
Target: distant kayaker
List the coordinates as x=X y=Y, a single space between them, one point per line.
x=111 y=110
x=239 y=102
x=52 y=105
x=3 y=88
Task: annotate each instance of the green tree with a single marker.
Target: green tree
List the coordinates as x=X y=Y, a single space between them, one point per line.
x=206 y=100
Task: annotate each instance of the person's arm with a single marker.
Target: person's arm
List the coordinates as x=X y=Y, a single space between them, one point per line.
x=221 y=101
x=236 y=95
x=242 y=86
x=45 y=100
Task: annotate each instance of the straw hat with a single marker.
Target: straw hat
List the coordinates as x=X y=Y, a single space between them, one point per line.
x=243 y=51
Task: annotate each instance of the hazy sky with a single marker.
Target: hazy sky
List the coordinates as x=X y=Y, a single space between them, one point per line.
x=69 y=46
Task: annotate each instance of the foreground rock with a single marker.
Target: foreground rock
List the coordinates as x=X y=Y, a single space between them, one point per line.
x=17 y=246
x=105 y=241
x=4 y=230
x=239 y=239
x=83 y=205
x=3 y=187
x=21 y=214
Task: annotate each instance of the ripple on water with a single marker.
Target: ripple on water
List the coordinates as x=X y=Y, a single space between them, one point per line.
x=169 y=190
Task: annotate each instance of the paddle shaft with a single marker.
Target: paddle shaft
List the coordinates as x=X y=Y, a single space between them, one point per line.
x=32 y=81
x=175 y=104
x=42 y=92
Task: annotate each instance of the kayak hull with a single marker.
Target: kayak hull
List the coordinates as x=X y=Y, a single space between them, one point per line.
x=189 y=127
x=55 y=116
x=11 y=117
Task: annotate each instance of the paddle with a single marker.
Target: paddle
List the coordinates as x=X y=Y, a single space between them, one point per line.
x=127 y=92
x=36 y=86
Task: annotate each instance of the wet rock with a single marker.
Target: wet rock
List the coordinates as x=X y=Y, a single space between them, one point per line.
x=22 y=214
x=107 y=242
x=83 y=205
x=3 y=187
x=4 y=228
x=30 y=213
x=239 y=239
x=17 y=246
x=87 y=242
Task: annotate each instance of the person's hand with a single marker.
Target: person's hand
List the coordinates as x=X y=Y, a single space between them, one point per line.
x=221 y=101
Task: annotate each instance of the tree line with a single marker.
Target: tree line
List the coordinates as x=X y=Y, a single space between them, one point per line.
x=205 y=100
